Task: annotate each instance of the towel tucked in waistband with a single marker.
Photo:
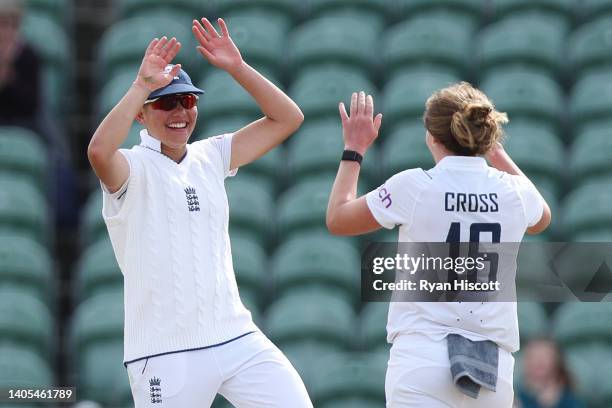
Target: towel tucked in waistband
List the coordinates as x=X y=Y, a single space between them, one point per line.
x=473 y=364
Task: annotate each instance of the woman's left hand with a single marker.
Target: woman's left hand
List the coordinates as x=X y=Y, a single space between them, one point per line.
x=218 y=49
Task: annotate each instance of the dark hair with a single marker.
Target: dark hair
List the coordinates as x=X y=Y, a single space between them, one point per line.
x=562 y=373
x=463 y=119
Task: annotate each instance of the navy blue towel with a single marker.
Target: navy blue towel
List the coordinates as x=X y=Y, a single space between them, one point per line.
x=473 y=364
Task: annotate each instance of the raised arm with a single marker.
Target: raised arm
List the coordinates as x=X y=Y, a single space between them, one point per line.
x=282 y=115
x=501 y=160
x=110 y=166
x=347 y=214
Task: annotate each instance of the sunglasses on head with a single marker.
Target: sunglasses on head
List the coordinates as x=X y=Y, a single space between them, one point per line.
x=168 y=103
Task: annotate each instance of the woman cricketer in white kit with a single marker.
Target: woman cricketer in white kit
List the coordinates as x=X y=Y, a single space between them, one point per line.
x=187 y=334
x=462 y=129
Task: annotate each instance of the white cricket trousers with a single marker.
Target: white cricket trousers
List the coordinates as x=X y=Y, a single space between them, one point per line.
x=249 y=372
x=418 y=375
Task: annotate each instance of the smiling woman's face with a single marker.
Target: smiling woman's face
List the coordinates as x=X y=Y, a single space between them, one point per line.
x=172 y=128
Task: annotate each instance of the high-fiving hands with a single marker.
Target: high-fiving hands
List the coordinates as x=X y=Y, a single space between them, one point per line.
x=361 y=128
x=218 y=49
x=153 y=74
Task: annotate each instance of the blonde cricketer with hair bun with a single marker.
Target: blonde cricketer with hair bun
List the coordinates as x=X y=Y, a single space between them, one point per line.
x=187 y=334
x=444 y=354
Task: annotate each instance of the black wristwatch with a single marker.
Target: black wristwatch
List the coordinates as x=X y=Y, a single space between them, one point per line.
x=352 y=155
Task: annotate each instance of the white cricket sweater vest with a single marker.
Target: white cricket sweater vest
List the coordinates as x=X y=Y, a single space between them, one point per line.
x=420 y=202
x=169 y=229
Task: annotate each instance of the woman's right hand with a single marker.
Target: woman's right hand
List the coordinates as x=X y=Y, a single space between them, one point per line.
x=153 y=74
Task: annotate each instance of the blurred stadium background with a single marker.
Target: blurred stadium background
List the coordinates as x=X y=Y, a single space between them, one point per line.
x=548 y=63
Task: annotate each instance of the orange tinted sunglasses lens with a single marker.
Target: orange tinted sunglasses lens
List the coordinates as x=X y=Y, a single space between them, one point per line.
x=168 y=103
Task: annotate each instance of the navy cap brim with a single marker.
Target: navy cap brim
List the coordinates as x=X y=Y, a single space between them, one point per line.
x=175 y=89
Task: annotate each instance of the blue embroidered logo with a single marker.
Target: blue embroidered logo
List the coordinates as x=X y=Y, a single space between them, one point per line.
x=192 y=199
x=155 y=388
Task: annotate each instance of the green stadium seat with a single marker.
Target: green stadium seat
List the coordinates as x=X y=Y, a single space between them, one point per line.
x=350 y=375
x=100 y=369
x=133 y=8
x=22 y=151
x=536 y=281
x=318 y=90
x=532 y=320
x=133 y=137
x=562 y=10
x=303 y=206
x=405 y=148
x=55 y=53
x=319 y=259
x=92 y=224
x=343 y=42
x=125 y=42
x=115 y=88
x=303 y=354
x=532 y=40
x=591 y=368
x=225 y=97
x=226 y=124
x=25 y=263
x=325 y=138
x=590 y=46
x=373 y=324
x=22 y=367
x=352 y=403
x=537 y=150
x=470 y=10
x=315 y=313
x=252 y=300
x=23 y=208
x=58 y=10
x=26 y=320
x=430 y=39
x=594 y=8
x=250 y=263
x=525 y=93
x=279 y=12
x=251 y=206
x=591 y=152
x=596 y=196
x=55 y=50
x=602 y=235
x=591 y=98
x=97 y=319
x=98 y=270
x=375 y=9
x=577 y=323
x=404 y=95
x=259 y=39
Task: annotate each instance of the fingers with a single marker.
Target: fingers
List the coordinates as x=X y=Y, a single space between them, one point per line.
x=151 y=46
x=343 y=115
x=353 y=104
x=168 y=46
x=200 y=33
x=369 y=106
x=173 y=51
x=160 y=45
x=209 y=27
x=377 y=122
x=223 y=26
x=361 y=102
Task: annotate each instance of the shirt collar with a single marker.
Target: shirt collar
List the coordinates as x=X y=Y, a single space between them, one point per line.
x=149 y=141
x=450 y=162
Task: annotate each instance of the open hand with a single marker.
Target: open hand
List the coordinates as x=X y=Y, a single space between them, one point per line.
x=153 y=73
x=361 y=128
x=218 y=49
